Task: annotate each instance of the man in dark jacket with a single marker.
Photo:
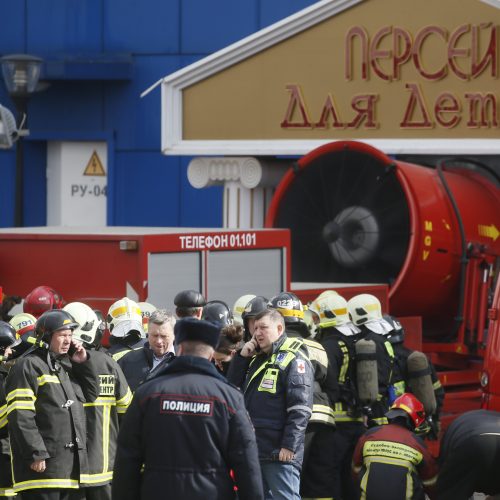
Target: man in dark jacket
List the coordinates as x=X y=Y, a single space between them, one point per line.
x=470 y=456
x=45 y=392
x=187 y=429
x=279 y=397
x=157 y=351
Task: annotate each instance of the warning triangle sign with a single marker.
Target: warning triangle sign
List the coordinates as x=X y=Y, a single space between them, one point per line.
x=94 y=166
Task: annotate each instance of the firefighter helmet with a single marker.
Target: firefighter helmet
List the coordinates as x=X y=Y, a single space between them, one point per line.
x=146 y=310
x=124 y=317
x=364 y=308
x=239 y=307
x=41 y=299
x=332 y=311
x=24 y=325
x=8 y=336
x=408 y=404
x=217 y=311
x=53 y=321
x=290 y=307
x=87 y=320
x=252 y=308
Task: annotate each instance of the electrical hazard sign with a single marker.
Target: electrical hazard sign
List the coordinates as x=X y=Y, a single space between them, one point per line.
x=94 y=166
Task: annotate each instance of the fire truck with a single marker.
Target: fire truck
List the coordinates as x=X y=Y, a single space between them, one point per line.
x=346 y=216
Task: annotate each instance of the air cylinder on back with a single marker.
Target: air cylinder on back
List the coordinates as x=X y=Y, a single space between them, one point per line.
x=366 y=371
x=420 y=382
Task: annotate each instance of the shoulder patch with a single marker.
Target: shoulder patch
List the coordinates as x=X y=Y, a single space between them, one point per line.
x=280 y=357
x=301 y=366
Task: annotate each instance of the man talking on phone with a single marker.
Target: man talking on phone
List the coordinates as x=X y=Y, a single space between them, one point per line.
x=278 y=396
x=45 y=390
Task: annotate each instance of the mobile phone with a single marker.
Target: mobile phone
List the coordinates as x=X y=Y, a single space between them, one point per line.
x=71 y=350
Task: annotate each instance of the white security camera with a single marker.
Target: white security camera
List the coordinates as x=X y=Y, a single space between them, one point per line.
x=8 y=128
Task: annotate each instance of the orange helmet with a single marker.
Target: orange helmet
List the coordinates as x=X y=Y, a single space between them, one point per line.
x=41 y=299
x=408 y=404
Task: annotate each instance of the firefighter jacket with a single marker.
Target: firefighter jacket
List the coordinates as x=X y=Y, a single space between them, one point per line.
x=392 y=463
x=322 y=411
x=189 y=428
x=6 y=489
x=46 y=419
x=278 y=396
x=137 y=364
x=118 y=350
x=341 y=374
x=103 y=419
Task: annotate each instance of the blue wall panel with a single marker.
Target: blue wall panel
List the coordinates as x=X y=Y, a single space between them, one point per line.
x=277 y=10
x=148 y=26
x=12 y=33
x=199 y=207
x=137 y=121
x=7 y=183
x=64 y=26
x=210 y=26
x=146 y=189
x=35 y=191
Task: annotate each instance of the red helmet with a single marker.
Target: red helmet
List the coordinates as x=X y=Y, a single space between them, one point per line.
x=41 y=299
x=409 y=404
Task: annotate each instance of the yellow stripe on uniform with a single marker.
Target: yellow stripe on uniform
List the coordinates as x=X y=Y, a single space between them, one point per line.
x=45 y=483
x=20 y=393
x=48 y=379
x=96 y=478
x=21 y=405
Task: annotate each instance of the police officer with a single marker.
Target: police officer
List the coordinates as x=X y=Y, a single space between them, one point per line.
x=189 y=304
x=338 y=336
x=315 y=480
x=391 y=462
x=187 y=428
x=366 y=313
x=278 y=396
x=8 y=340
x=45 y=390
x=470 y=456
x=102 y=414
x=125 y=327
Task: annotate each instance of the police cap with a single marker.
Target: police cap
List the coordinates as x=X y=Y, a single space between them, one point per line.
x=189 y=298
x=197 y=330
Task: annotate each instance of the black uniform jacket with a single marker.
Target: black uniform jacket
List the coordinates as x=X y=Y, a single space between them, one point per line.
x=189 y=428
x=393 y=464
x=46 y=419
x=103 y=419
x=278 y=395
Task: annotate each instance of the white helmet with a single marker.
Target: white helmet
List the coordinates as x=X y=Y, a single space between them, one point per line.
x=146 y=310
x=88 y=321
x=332 y=310
x=239 y=307
x=125 y=316
x=313 y=306
x=364 y=308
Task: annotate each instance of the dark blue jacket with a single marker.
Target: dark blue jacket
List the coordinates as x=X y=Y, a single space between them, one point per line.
x=279 y=414
x=189 y=428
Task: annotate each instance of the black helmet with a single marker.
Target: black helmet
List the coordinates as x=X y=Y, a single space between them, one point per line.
x=7 y=336
x=53 y=321
x=217 y=312
x=252 y=308
x=290 y=307
x=397 y=334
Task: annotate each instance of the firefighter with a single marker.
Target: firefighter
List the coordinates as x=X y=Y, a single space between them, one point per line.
x=321 y=426
x=338 y=336
x=396 y=337
x=186 y=429
x=45 y=391
x=40 y=299
x=24 y=325
x=189 y=304
x=239 y=307
x=125 y=327
x=366 y=313
x=102 y=415
x=278 y=396
x=470 y=456
x=390 y=461
x=8 y=340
